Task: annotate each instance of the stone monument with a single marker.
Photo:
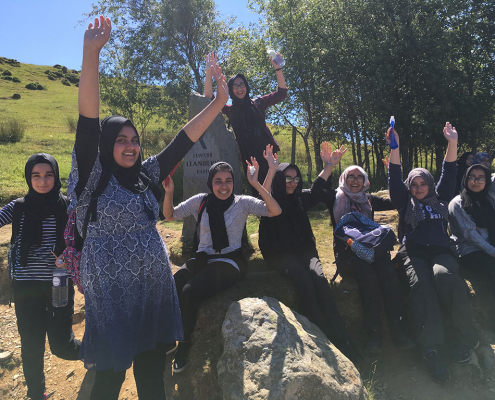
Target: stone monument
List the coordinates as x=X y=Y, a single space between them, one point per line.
x=216 y=144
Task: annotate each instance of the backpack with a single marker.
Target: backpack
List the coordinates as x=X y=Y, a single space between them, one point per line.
x=367 y=239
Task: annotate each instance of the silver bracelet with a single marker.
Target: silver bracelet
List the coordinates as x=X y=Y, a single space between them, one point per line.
x=331 y=163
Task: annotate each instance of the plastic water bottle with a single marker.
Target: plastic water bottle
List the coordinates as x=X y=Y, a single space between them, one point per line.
x=393 y=142
x=60 y=293
x=279 y=60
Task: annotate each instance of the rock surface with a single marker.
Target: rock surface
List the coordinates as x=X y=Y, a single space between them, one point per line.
x=272 y=352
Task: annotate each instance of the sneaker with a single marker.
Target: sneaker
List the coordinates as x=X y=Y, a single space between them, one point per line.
x=436 y=367
x=350 y=351
x=171 y=347
x=181 y=361
x=400 y=339
x=462 y=353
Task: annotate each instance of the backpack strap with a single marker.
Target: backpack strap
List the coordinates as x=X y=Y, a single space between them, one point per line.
x=16 y=218
x=196 y=233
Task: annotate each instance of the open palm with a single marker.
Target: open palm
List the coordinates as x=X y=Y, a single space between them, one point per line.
x=450 y=132
x=98 y=33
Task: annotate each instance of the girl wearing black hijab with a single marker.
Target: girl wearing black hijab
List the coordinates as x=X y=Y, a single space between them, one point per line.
x=472 y=223
x=39 y=220
x=132 y=310
x=463 y=163
x=288 y=245
x=247 y=116
x=218 y=263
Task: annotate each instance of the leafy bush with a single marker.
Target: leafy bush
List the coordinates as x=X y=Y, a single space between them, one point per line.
x=64 y=70
x=11 y=131
x=35 y=86
x=7 y=78
x=77 y=84
x=10 y=61
x=72 y=78
x=71 y=124
x=16 y=79
x=51 y=76
x=7 y=73
x=58 y=66
x=58 y=74
x=16 y=96
x=65 y=82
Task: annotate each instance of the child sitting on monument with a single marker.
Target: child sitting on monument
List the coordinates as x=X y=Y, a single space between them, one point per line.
x=218 y=263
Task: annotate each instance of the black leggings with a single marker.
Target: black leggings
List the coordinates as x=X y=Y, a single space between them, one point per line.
x=148 y=368
x=481 y=262
x=303 y=267
x=195 y=283
x=35 y=319
x=381 y=274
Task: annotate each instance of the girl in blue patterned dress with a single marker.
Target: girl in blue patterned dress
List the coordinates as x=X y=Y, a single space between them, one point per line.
x=132 y=310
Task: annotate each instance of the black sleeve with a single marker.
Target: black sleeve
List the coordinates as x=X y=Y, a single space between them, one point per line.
x=86 y=148
x=322 y=190
x=381 y=204
x=308 y=200
x=172 y=155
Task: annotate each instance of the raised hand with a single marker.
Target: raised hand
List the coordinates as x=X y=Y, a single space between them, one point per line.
x=327 y=155
x=386 y=162
x=252 y=179
x=387 y=135
x=449 y=132
x=211 y=61
x=270 y=157
x=222 y=88
x=168 y=184
x=275 y=65
x=98 y=33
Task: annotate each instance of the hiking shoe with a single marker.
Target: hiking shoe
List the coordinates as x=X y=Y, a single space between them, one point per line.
x=350 y=351
x=400 y=339
x=181 y=361
x=374 y=345
x=462 y=353
x=171 y=347
x=437 y=369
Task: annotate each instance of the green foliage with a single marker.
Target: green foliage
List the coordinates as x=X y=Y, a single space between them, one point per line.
x=11 y=131
x=7 y=78
x=65 y=82
x=16 y=79
x=10 y=61
x=72 y=78
x=35 y=86
x=16 y=96
x=71 y=123
x=6 y=73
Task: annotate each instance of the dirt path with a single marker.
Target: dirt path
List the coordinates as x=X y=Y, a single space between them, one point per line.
x=392 y=375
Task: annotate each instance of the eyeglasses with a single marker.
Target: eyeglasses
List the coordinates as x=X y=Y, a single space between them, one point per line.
x=479 y=179
x=289 y=179
x=239 y=86
x=352 y=178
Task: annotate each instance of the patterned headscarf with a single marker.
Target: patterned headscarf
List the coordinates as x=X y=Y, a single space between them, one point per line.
x=480 y=156
x=346 y=201
x=414 y=215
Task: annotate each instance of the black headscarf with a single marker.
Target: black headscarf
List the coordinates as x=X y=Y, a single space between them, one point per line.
x=477 y=205
x=133 y=179
x=292 y=227
x=461 y=169
x=216 y=208
x=39 y=206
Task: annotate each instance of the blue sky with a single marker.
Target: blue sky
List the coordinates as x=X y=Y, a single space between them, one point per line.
x=49 y=32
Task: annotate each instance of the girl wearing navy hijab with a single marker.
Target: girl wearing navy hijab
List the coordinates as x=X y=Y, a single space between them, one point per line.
x=218 y=263
x=39 y=220
x=132 y=310
x=247 y=116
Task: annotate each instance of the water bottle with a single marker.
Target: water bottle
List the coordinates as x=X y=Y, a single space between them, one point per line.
x=60 y=290
x=393 y=142
x=279 y=60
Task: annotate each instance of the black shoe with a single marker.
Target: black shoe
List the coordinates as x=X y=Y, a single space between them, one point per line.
x=350 y=351
x=462 y=353
x=171 y=347
x=374 y=345
x=436 y=367
x=400 y=339
x=182 y=357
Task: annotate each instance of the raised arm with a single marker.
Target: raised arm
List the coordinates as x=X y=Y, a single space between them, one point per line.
x=271 y=204
x=168 y=201
x=272 y=160
x=196 y=126
x=95 y=38
x=330 y=159
x=211 y=61
x=394 y=153
x=450 y=134
x=279 y=74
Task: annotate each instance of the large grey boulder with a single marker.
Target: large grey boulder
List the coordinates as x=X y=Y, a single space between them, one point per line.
x=272 y=352
x=216 y=144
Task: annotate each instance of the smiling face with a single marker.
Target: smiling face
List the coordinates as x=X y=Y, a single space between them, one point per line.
x=355 y=181
x=222 y=185
x=473 y=183
x=42 y=178
x=290 y=174
x=126 y=148
x=419 y=188
x=239 y=88
x=469 y=160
